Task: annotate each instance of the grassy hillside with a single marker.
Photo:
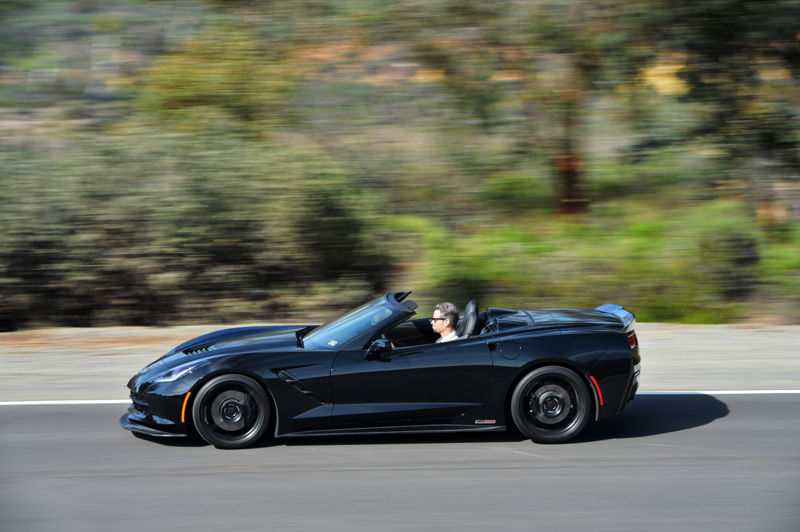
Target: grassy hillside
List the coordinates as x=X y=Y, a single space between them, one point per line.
x=179 y=162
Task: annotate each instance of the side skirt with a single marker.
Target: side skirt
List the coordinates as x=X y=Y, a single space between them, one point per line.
x=422 y=429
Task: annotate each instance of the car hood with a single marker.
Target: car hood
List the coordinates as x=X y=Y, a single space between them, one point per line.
x=263 y=339
x=582 y=319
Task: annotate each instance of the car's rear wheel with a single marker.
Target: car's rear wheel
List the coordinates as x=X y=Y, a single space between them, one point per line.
x=231 y=411
x=550 y=405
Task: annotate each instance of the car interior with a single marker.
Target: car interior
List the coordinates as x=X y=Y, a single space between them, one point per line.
x=418 y=332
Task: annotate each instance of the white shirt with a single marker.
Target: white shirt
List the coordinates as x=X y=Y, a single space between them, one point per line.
x=449 y=338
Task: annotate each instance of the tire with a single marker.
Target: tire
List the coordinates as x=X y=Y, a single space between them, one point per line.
x=551 y=405
x=231 y=411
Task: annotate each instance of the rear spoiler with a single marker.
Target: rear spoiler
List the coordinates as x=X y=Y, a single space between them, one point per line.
x=627 y=318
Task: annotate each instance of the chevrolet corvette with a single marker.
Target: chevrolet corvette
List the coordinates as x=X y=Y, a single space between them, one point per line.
x=376 y=370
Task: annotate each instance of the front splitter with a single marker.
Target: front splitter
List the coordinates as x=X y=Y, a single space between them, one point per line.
x=135 y=427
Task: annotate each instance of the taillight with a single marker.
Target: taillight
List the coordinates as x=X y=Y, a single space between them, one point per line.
x=632 y=339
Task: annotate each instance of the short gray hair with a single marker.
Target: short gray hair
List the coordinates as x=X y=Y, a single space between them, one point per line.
x=448 y=311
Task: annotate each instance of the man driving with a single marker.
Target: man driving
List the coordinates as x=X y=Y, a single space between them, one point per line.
x=445 y=321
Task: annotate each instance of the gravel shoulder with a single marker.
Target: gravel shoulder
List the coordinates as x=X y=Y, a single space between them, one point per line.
x=73 y=364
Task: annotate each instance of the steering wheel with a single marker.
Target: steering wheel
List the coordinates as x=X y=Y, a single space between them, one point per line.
x=395 y=343
x=490 y=327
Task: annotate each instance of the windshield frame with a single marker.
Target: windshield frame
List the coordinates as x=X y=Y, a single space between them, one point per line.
x=356 y=326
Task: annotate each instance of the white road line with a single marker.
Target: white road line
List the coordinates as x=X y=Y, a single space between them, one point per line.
x=77 y=402
x=677 y=392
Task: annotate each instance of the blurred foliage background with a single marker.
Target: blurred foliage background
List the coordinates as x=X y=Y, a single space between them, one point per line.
x=181 y=161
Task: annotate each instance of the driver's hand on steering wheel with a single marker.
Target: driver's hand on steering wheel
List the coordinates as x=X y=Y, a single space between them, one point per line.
x=384 y=337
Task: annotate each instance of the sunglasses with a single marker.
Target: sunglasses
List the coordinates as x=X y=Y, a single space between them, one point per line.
x=434 y=319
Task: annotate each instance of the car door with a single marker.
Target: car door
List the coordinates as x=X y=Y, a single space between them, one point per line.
x=419 y=384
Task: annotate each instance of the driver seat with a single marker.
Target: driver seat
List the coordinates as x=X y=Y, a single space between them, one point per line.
x=466 y=326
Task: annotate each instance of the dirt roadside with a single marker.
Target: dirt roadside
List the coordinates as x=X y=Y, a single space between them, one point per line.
x=71 y=364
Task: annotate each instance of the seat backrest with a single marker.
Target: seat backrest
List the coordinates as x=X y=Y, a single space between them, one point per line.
x=466 y=326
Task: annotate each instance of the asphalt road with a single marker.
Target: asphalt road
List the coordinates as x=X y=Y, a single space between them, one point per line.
x=669 y=462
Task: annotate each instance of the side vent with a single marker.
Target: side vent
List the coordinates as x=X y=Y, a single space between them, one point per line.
x=300 y=386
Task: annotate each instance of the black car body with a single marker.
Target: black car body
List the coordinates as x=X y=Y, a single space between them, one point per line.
x=376 y=370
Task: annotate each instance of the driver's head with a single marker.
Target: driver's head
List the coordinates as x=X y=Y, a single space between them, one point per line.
x=445 y=318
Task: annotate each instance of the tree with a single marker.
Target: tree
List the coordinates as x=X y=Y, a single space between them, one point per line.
x=9 y=8
x=225 y=68
x=547 y=56
x=742 y=60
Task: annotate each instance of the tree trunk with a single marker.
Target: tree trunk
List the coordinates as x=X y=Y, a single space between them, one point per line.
x=568 y=165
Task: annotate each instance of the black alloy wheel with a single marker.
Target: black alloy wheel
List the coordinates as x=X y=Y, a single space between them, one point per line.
x=231 y=411
x=550 y=405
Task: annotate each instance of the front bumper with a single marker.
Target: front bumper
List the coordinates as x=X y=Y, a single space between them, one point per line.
x=133 y=420
x=150 y=424
x=155 y=415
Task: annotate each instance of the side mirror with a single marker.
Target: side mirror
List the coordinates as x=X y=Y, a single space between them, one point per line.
x=379 y=349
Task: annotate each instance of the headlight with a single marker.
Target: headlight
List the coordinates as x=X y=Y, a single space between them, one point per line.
x=176 y=373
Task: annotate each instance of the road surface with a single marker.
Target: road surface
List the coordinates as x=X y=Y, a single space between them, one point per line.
x=710 y=462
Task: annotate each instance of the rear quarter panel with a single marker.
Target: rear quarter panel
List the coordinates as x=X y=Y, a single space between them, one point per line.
x=613 y=372
x=580 y=351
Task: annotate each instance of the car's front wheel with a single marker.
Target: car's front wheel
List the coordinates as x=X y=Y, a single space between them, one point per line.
x=231 y=411
x=550 y=405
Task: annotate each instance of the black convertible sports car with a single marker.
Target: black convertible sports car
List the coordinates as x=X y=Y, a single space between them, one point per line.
x=374 y=370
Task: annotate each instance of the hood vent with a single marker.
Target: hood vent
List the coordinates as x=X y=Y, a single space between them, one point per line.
x=201 y=349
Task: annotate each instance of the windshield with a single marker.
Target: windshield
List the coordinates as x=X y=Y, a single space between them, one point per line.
x=341 y=330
